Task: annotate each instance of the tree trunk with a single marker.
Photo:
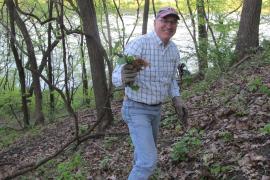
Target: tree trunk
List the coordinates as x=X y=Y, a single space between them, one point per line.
x=19 y=66
x=66 y=76
x=84 y=74
x=49 y=63
x=145 y=16
x=248 y=33
x=39 y=117
x=202 y=36
x=154 y=8
x=44 y=62
x=103 y=107
x=108 y=27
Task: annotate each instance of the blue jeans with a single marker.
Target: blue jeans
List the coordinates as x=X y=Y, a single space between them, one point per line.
x=143 y=122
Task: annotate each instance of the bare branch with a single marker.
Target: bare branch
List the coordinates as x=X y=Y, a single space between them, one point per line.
x=34 y=16
x=122 y=21
x=136 y=22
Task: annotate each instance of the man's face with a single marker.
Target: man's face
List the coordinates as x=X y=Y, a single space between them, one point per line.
x=165 y=27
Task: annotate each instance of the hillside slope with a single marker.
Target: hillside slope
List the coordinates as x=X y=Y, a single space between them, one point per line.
x=228 y=137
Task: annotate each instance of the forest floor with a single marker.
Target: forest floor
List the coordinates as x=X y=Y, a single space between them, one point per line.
x=228 y=137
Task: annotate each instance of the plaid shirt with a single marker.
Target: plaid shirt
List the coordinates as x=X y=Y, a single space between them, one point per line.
x=157 y=81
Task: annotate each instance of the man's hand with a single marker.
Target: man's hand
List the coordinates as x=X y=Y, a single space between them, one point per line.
x=128 y=74
x=181 y=110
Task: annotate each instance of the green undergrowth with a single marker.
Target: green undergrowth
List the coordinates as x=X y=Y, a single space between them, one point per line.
x=8 y=135
x=10 y=106
x=69 y=168
x=192 y=85
x=187 y=146
x=266 y=129
x=257 y=85
x=72 y=169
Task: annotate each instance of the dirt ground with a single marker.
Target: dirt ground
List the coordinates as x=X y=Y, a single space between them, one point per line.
x=227 y=120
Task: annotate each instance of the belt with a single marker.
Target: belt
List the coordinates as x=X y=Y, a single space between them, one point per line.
x=126 y=98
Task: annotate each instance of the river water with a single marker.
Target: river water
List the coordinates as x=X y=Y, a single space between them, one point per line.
x=182 y=37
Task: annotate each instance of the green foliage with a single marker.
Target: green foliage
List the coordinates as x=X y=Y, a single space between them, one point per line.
x=71 y=169
x=226 y=136
x=110 y=141
x=221 y=58
x=7 y=137
x=47 y=171
x=10 y=104
x=83 y=128
x=34 y=130
x=157 y=174
x=10 y=101
x=201 y=87
x=186 y=94
x=78 y=102
x=117 y=47
x=257 y=85
x=105 y=162
x=118 y=95
x=41 y=7
x=168 y=121
x=129 y=141
x=187 y=80
x=265 y=90
x=265 y=7
x=227 y=6
x=79 y=99
x=186 y=145
x=266 y=53
x=217 y=169
x=265 y=129
x=125 y=59
x=221 y=54
x=129 y=60
x=253 y=84
x=211 y=75
x=239 y=105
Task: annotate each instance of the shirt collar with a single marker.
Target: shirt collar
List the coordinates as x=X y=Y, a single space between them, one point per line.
x=158 y=40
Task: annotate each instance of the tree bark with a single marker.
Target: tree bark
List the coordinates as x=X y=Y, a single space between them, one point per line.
x=84 y=74
x=248 y=33
x=145 y=16
x=49 y=63
x=44 y=62
x=20 y=69
x=154 y=8
x=108 y=26
x=61 y=25
x=202 y=36
x=103 y=107
x=39 y=117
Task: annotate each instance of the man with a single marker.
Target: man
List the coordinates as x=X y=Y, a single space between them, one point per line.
x=141 y=107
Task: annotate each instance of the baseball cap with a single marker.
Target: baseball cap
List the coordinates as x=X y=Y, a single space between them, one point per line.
x=166 y=11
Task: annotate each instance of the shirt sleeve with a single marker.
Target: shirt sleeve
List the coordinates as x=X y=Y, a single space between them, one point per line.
x=174 y=88
x=116 y=75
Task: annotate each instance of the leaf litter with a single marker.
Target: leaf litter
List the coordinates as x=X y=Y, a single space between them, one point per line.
x=233 y=144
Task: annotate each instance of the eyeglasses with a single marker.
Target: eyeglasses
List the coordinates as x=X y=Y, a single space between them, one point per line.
x=167 y=22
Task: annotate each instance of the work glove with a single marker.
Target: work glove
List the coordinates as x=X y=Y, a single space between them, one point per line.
x=181 y=110
x=128 y=74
